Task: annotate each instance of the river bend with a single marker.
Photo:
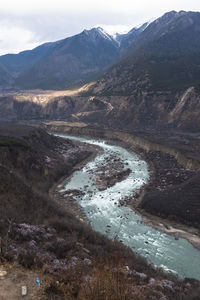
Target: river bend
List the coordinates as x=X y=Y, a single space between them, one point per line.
x=115 y=221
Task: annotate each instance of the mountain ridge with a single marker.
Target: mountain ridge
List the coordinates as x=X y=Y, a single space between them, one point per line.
x=143 y=87
x=165 y=50
x=89 y=53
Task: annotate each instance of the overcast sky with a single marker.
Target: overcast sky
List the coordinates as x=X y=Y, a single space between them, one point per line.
x=24 y=24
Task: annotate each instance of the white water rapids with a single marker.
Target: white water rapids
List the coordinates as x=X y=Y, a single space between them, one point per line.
x=108 y=217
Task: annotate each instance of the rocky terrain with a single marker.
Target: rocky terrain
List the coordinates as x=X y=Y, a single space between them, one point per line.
x=107 y=180
x=174 y=162
x=31 y=161
x=114 y=171
x=161 y=110
x=172 y=192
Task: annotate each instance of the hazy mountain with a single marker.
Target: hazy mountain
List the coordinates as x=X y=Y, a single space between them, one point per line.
x=69 y=61
x=5 y=77
x=74 y=60
x=18 y=63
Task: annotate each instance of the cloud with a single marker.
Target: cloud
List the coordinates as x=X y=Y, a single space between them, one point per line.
x=14 y=39
x=22 y=7
x=26 y=23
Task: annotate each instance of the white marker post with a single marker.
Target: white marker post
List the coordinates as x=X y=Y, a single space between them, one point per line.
x=24 y=290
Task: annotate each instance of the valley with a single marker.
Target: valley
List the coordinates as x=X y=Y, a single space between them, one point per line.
x=52 y=235
x=100 y=164
x=103 y=213
x=167 y=176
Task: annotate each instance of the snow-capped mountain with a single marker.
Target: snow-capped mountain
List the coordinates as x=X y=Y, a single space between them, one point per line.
x=125 y=40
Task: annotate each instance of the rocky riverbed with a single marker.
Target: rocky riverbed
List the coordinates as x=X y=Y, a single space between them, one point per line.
x=173 y=158
x=108 y=215
x=111 y=171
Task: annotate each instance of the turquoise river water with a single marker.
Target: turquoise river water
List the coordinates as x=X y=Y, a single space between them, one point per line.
x=121 y=222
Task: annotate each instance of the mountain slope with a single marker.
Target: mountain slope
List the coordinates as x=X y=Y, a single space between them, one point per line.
x=165 y=55
x=69 y=61
x=74 y=59
x=18 y=63
x=5 y=77
x=156 y=85
x=126 y=40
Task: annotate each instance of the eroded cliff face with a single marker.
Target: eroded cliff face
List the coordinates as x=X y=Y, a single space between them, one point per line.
x=141 y=109
x=131 y=140
x=186 y=113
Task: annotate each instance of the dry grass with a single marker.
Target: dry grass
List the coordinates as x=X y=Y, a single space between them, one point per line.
x=109 y=280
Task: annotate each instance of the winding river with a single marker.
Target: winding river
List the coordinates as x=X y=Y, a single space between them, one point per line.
x=108 y=217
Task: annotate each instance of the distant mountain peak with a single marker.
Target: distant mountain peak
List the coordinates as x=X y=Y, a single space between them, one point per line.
x=97 y=33
x=167 y=16
x=182 y=12
x=104 y=33
x=171 y=15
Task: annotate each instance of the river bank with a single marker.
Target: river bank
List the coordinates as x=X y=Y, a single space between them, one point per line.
x=52 y=242
x=164 y=172
x=175 y=175
x=68 y=202
x=112 y=218
x=162 y=178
